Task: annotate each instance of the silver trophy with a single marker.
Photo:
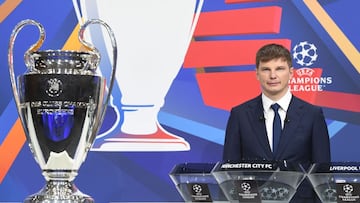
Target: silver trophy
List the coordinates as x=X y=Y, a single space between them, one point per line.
x=61 y=102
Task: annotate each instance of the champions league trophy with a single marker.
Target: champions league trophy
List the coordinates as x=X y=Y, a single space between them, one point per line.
x=61 y=103
x=154 y=37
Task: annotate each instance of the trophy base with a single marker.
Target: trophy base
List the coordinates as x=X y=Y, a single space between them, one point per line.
x=59 y=192
x=159 y=141
x=138 y=145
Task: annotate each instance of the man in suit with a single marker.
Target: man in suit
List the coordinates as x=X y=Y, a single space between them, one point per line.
x=304 y=135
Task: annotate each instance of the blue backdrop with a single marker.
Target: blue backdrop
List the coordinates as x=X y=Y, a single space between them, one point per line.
x=190 y=111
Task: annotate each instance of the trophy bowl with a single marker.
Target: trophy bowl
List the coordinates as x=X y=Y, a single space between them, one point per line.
x=336 y=181
x=195 y=183
x=61 y=102
x=259 y=180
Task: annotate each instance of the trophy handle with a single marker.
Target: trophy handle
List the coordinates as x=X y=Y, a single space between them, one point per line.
x=93 y=49
x=27 y=58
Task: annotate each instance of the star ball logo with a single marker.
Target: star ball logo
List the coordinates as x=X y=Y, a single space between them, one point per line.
x=246 y=187
x=348 y=189
x=199 y=192
x=197 y=188
x=305 y=53
x=306 y=78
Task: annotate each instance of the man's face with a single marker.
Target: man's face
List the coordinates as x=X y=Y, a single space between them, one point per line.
x=274 y=77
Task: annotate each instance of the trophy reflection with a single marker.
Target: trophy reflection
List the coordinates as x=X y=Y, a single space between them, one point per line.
x=154 y=37
x=61 y=103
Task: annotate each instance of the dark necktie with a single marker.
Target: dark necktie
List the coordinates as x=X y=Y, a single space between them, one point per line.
x=276 y=127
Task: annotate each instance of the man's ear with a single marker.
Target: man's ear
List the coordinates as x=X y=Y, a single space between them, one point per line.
x=257 y=73
x=291 y=72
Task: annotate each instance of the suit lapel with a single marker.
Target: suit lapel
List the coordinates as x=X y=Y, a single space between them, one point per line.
x=293 y=116
x=256 y=115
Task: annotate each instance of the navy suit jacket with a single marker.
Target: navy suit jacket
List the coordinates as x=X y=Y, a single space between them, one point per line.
x=304 y=139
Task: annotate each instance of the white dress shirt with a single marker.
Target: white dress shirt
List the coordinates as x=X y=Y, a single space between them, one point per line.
x=269 y=113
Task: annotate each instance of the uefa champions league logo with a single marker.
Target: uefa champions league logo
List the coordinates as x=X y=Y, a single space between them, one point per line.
x=247 y=190
x=197 y=188
x=348 y=189
x=347 y=192
x=305 y=53
x=199 y=192
x=307 y=79
x=246 y=187
x=54 y=87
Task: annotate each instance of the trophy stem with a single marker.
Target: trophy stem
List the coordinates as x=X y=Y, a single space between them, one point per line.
x=59 y=191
